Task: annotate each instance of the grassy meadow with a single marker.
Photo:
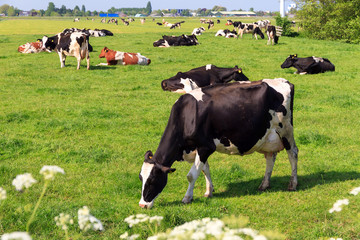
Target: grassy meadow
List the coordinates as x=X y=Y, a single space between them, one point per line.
x=98 y=124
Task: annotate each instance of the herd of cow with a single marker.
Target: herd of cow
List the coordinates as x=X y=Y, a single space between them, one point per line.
x=241 y=117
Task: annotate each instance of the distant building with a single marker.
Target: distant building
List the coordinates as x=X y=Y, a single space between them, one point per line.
x=234 y=13
x=291 y=6
x=140 y=15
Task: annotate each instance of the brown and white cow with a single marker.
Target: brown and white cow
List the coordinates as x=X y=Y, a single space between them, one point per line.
x=31 y=47
x=122 y=58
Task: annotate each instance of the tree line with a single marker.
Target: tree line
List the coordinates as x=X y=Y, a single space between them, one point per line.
x=330 y=19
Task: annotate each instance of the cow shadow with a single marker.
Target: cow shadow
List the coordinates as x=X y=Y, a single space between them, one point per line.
x=278 y=184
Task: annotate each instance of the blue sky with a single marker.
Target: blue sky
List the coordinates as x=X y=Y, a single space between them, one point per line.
x=104 y=5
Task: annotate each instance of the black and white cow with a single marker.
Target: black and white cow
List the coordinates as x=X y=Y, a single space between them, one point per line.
x=226 y=33
x=177 y=25
x=273 y=37
x=198 y=31
x=250 y=28
x=91 y=33
x=71 y=44
x=309 y=65
x=183 y=40
x=263 y=24
x=236 y=118
x=185 y=82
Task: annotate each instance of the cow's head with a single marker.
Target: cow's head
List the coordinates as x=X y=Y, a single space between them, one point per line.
x=175 y=83
x=49 y=43
x=234 y=73
x=103 y=52
x=154 y=178
x=289 y=61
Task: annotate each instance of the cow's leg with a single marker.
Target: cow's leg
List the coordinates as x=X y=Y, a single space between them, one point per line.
x=270 y=161
x=62 y=59
x=87 y=60
x=209 y=185
x=293 y=158
x=191 y=177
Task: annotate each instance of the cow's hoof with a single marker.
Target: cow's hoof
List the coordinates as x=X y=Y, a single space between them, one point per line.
x=187 y=200
x=263 y=186
x=208 y=195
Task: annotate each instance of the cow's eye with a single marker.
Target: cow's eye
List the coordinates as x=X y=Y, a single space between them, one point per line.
x=140 y=177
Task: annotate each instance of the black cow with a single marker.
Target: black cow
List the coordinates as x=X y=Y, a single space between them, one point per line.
x=235 y=118
x=72 y=44
x=309 y=65
x=201 y=77
x=183 y=40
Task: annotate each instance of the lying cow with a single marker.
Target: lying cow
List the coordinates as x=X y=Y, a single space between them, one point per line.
x=92 y=33
x=31 y=47
x=201 y=77
x=309 y=65
x=229 y=118
x=198 y=31
x=71 y=44
x=226 y=33
x=122 y=58
x=183 y=40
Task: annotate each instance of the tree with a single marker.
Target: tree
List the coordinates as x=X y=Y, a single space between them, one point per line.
x=83 y=10
x=4 y=8
x=148 y=8
x=62 y=10
x=11 y=11
x=217 y=8
x=329 y=19
x=50 y=9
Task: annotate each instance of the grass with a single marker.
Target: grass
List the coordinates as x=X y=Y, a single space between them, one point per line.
x=98 y=124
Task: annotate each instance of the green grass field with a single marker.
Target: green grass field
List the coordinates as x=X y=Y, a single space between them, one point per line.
x=98 y=124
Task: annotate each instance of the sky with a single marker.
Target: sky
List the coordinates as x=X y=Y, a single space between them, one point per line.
x=104 y=5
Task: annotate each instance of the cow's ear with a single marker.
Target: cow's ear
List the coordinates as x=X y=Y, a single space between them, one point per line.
x=167 y=169
x=295 y=55
x=148 y=155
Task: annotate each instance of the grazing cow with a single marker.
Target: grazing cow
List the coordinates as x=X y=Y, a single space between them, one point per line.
x=31 y=47
x=77 y=20
x=237 y=25
x=158 y=23
x=198 y=31
x=183 y=40
x=218 y=21
x=235 y=118
x=273 y=37
x=201 y=77
x=250 y=28
x=72 y=44
x=142 y=21
x=122 y=58
x=177 y=25
x=309 y=65
x=103 y=20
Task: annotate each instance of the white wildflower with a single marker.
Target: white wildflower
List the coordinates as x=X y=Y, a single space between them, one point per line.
x=198 y=236
x=337 y=207
x=124 y=235
x=23 y=180
x=16 y=236
x=87 y=221
x=62 y=220
x=156 y=219
x=50 y=171
x=2 y=194
x=355 y=191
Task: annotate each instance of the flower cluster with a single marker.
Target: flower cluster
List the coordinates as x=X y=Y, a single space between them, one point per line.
x=337 y=207
x=23 y=180
x=206 y=228
x=355 y=191
x=62 y=220
x=140 y=218
x=16 y=236
x=87 y=221
x=2 y=194
x=49 y=171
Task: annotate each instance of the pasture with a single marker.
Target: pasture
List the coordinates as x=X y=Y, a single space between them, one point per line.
x=97 y=125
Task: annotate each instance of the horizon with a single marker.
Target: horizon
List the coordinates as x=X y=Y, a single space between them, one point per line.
x=230 y=5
